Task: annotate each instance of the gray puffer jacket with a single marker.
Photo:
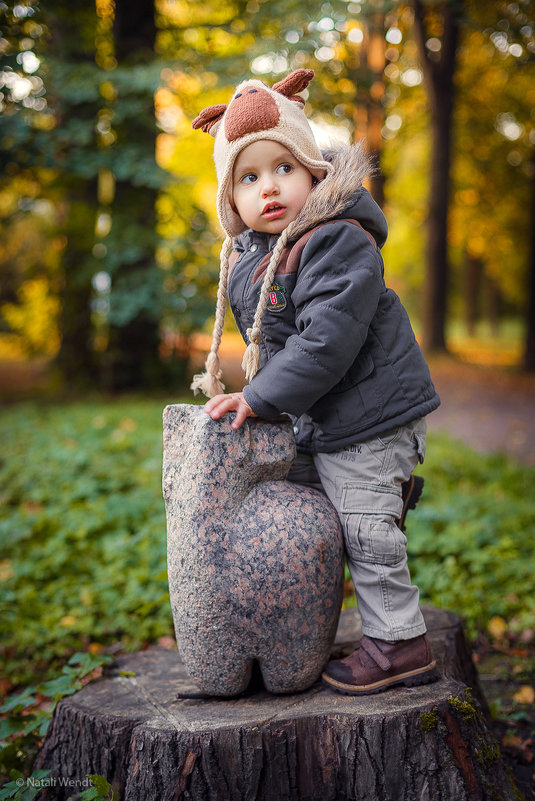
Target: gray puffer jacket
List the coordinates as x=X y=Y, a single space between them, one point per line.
x=338 y=353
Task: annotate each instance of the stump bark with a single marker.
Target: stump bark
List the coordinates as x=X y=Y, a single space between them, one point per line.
x=430 y=743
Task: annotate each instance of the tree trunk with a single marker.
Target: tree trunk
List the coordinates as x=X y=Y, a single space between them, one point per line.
x=368 y=115
x=135 y=30
x=75 y=358
x=493 y=304
x=438 y=74
x=429 y=743
x=133 y=352
x=529 y=358
x=472 y=288
x=72 y=35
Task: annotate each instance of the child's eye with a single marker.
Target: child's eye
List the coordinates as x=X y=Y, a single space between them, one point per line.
x=250 y=178
x=284 y=169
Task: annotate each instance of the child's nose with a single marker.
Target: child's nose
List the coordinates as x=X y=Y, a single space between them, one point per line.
x=269 y=187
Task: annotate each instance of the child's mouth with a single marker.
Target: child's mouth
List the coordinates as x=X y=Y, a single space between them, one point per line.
x=273 y=211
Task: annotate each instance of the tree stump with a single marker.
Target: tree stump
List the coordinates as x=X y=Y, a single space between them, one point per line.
x=430 y=743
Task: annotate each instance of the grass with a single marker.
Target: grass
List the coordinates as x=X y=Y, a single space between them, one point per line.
x=82 y=532
x=472 y=537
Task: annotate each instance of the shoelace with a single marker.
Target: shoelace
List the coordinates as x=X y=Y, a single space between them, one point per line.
x=373 y=651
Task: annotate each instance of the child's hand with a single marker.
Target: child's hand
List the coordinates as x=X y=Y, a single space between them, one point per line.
x=221 y=404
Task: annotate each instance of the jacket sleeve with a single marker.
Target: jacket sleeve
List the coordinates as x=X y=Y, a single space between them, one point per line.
x=337 y=291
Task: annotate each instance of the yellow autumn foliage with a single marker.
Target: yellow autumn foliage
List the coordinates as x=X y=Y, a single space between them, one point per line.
x=34 y=320
x=525 y=695
x=497 y=627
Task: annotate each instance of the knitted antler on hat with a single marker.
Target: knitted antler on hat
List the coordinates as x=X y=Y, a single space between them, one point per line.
x=255 y=112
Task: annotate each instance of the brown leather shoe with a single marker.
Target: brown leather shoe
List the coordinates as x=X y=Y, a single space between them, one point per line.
x=377 y=665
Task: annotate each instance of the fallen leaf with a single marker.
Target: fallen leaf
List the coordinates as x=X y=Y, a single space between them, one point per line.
x=96 y=673
x=512 y=741
x=127 y=424
x=521 y=748
x=525 y=695
x=521 y=652
x=167 y=642
x=497 y=627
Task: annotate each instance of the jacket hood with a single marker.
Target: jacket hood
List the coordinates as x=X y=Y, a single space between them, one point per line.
x=341 y=195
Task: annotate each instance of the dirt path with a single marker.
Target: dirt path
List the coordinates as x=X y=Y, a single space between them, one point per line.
x=489 y=410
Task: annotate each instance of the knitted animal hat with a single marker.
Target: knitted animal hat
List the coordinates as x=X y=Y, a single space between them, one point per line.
x=255 y=112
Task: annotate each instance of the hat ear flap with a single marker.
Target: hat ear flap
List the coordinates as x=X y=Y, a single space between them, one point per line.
x=209 y=117
x=295 y=82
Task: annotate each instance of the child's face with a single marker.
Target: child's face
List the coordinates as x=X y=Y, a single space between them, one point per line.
x=269 y=186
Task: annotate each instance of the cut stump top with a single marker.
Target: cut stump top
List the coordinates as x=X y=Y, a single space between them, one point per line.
x=151 y=694
x=430 y=742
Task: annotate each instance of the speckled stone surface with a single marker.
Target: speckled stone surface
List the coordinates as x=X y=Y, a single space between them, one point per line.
x=255 y=562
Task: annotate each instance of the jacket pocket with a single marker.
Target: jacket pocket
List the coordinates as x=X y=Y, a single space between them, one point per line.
x=354 y=403
x=361 y=368
x=419 y=433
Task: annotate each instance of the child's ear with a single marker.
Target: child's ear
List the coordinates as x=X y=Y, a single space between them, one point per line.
x=209 y=117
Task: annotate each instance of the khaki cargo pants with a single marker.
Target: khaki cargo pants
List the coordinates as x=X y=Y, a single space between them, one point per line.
x=363 y=482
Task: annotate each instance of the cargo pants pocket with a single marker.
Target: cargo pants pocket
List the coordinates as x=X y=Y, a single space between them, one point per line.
x=369 y=513
x=374 y=539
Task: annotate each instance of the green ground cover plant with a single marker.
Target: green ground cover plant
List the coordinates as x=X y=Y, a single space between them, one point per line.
x=82 y=533
x=471 y=540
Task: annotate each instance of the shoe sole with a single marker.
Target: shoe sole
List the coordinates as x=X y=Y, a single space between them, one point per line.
x=412 y=678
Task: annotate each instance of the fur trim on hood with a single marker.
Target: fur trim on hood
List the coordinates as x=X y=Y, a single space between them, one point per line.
x=336 y=193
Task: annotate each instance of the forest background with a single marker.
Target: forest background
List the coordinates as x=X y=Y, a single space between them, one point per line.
x=109 y=242
x=109 y=251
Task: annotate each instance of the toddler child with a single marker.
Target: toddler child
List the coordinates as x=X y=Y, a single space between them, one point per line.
x=330 y=346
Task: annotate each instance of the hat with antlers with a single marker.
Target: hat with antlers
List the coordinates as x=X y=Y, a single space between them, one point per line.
x=255 y=112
